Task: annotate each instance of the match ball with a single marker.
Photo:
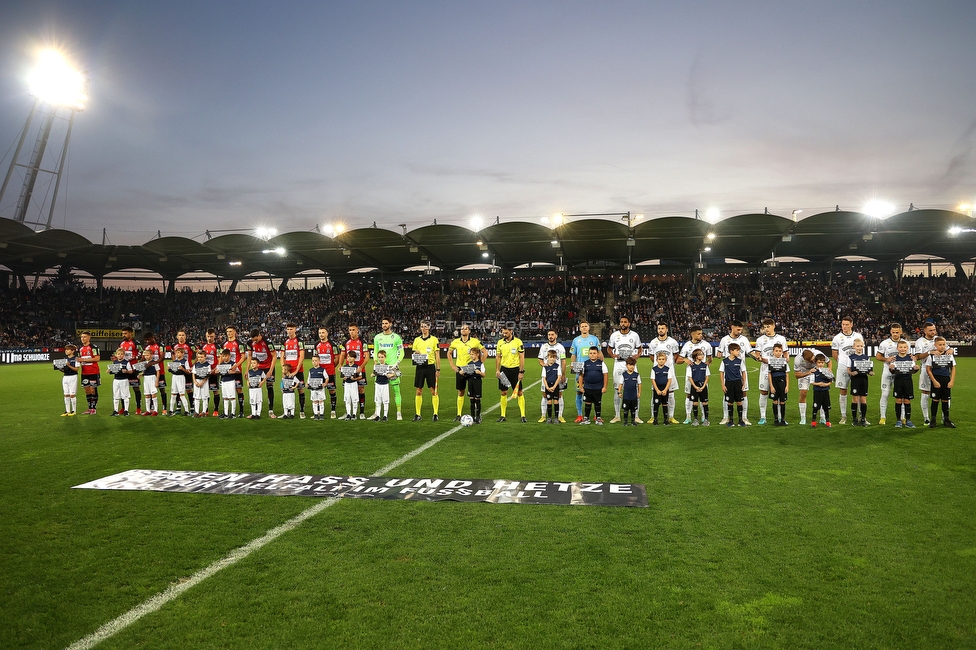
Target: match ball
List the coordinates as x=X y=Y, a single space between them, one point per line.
x=466 y=420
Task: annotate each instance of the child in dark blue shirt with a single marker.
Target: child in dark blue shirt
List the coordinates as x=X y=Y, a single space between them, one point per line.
x=731 y=376
x=663 y=376
x=629 y=390
x=822 y=380
x=697 y=375
x=592 y=380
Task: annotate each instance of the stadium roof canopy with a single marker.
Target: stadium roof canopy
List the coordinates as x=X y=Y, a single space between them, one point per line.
x=582 y=244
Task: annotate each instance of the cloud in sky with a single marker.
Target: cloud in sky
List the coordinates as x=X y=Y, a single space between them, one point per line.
x=227 y=114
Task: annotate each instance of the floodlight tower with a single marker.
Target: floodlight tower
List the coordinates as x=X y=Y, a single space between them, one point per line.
x=59 y=92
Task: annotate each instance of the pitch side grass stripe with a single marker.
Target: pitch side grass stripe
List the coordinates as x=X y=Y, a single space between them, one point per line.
x=172 y=592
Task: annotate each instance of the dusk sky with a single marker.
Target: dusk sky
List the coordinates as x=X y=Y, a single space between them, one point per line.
x=206 y=115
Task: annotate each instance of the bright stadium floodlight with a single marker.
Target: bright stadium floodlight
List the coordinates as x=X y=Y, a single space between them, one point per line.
x=710 y=236
x=878 y=209
x=712 y=214
x=955 y=230
x=234 y=263
x=279 y=250
x=966 y=208
x=54 y=81
x=265 y=233
x=476 y=223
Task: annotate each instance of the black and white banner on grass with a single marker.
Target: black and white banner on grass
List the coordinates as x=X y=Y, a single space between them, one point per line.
x=378 y=487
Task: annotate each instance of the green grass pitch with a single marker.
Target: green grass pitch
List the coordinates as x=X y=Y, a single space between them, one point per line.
x=755 y=538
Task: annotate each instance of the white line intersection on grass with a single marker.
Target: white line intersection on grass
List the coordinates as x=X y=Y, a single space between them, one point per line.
x=172 y=592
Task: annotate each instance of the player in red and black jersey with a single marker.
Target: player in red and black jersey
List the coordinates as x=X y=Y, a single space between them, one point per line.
x=293 y=354
x=157 y=360
x=91 y=377
x=357 y=345
x=327 y=358
x=211 y=350
x=132 y=354
x=238 y=355
x=266 y=356
x=188 y=354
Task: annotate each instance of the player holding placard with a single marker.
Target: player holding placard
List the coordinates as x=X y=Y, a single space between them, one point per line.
x=69 y=367
x=202 y=372
x=940 y=366
x=579 y=351
x=777 y=367
x=552 y=344
x=887 y=351
x=860 y=369
x=256 y=377
x=91 y=377
x=736 y=336
x=664 y=342
x=687 y=355
x=157 y=356
x=841 y=347
x=356 y=344
x=623 y=344
x=180 y=372
x=390 y=342
x=317 y=379
x=764 y=348
x=459 y=356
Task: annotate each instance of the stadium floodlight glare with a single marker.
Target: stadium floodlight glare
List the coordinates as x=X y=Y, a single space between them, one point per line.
x=476 y=223
x=712 y=214
x=484 y=254
x=56 y=82
x=554 y=221
x=878 y=209
x=710 y=236
x=955 y=230
x=708 y=249
x=265 y=233
x=966 y=208
x=234 y=263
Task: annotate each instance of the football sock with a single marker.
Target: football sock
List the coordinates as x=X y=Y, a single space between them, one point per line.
x=694 y=410
x=690 y=408
x=616 y=403
x=545 y=403
x=598 y=407
x=670 y=406
x=362 y=402
x=763 y=402
x=924 y=403
x=933 y=409
x=397 y=399
x=185 y=402
x=216 y=400
x=705 y=410
x=739 y=409
x=803 y=411
x=301 y=402
x=843 y=406
x=460 y=404
x=67 y=404
x=521 y=405
x=898 y=411
x=908 y=411
x=883 y=406
x=587 y=410
x=418 y=404
x=95 y=397
x=945 y=411
x=332 y=399
x=864 y=410
x=240 y=402
x=549 y=410
x=562 y=405
x=731 y=412
x=503 y=404
x=745 y=405
x=436 y=401
x=270 y=388
x=579 y=403
x=138 y=399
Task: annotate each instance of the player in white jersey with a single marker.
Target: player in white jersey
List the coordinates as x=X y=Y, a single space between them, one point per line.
x=552 y=343
x=764 y=346
x=622 y=344
x=887 y=351
x=924 y=347
x=735 y=335
x=804 y=365
x=697 y=342
x=667 y=344
x=840 y=347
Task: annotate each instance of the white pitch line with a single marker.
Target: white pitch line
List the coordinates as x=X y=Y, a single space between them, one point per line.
x=172 y=592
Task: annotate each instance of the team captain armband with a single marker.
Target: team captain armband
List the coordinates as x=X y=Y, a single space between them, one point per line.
x=419 y=358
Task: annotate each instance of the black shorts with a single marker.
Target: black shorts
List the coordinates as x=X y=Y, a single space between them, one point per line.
x=135 y=383
x=699 y=395
x=903 y=387
x=91 y=380
x=215 y=383
x=269 y=373
x=553 y=394
x=238 y=380
x=859 y=385
x=513 y=378
x=821 y=399
x=474 y=386
x=778 y=393
x=330 y=384
x=733 y=391
x=593 y=395
x=426 y=374
x=629 y=404
x=461 y=381
x=161 y=381
x=943 y=393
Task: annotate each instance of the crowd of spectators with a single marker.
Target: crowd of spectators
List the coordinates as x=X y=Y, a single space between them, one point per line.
x=805 y=308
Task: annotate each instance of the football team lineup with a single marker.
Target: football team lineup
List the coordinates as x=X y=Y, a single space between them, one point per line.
x=229 y=371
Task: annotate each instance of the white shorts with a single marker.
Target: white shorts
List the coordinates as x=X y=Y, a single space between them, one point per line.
x=842 y=379
x=149 y=385
x=69 y=383
x=318 y=395
x=381 y=393
x=887 y=381
x=288 y=401
x=255 y=396
x=120 y=388
x=618 y=372
x=687 y=385
x=924 y=382
x=764 y=378
x=201 y=392
x=803 y=383
x=179 y=384
x=228 y=389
